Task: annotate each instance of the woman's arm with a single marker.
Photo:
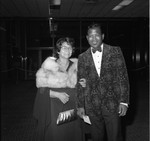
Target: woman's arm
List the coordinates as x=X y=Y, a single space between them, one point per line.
x=41 y=78
x=62 y=96
x=42 y=74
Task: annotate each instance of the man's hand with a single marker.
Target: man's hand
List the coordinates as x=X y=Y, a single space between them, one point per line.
x=80 y=112
x=122 y=110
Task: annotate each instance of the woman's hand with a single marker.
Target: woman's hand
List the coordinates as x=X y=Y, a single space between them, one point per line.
x=82 y=82
x=63 y=97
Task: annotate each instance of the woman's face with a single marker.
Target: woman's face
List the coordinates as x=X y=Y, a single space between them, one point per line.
x=66 y=50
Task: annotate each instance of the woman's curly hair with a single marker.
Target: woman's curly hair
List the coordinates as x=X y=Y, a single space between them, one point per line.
x=68 y=40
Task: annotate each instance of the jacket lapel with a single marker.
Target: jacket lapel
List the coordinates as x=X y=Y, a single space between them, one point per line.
x=105 y=57
x=91 y=62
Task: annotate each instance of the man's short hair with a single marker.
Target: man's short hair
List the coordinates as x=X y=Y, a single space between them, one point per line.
x=95 y=25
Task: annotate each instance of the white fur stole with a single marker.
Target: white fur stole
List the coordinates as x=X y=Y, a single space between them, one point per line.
x=50 y=76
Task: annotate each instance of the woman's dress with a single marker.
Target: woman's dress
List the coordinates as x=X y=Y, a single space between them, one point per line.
x=70 y=131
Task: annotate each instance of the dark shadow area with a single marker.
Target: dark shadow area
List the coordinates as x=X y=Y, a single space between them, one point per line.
x=139 y=93
x=132 y=109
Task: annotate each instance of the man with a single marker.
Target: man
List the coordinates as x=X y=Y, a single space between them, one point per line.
x=106 y=95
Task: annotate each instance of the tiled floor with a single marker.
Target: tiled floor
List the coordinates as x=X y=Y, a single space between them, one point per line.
x=17 y=123
x=17 y=105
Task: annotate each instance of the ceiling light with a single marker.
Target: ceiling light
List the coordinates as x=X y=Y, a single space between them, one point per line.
x=55 y=4
x=122 y=4
x=125 y=2
x=117 y=7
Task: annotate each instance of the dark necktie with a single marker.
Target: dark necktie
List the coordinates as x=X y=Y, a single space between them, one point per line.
x=96 y=49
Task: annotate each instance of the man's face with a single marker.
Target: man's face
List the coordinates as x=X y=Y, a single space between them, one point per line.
x=95 y=37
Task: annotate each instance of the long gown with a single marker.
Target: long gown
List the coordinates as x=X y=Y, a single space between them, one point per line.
x=70 y=131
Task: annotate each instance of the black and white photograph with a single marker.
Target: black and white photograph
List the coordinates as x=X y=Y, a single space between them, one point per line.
x=74 y=70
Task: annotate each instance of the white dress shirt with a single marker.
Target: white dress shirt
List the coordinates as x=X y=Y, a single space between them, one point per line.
x=97 y=57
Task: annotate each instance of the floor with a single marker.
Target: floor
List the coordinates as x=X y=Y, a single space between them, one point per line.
x=18 y=124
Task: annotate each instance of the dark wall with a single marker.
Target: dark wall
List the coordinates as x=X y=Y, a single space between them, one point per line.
x=20 y=34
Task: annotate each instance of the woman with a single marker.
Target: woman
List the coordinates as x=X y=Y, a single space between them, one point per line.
x=56 y=81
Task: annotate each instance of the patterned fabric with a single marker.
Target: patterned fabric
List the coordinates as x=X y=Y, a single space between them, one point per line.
x=108 y=90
